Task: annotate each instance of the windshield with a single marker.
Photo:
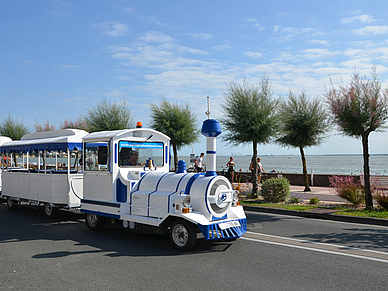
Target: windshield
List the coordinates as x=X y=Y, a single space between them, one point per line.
x=132 y=153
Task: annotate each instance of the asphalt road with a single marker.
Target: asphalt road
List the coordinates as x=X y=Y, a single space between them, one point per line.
x=277 y=253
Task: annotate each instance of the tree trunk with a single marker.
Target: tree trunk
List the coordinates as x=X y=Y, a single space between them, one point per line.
x=305 y=174
x=254 y=175
x=368 y=193
x=175 y=157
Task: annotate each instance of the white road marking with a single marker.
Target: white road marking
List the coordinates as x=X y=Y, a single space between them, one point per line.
x=319 y=247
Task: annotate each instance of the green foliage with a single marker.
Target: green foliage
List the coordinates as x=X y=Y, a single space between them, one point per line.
x=359 y=108
x=381 y=196
x=275 y=190
x=314 y=200
x=303 y=122
x=249 y=116
x=13 y=128
x=296 y=198
x=108 y=116
x=348 y=188
x=249 y=113
x=176 y=121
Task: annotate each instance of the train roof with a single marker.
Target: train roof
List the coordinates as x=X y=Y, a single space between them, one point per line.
x=56 y=140
x=142 y=133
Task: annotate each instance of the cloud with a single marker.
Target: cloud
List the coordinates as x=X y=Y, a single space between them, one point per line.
x=256 y=24
x=70 y=66
x=255 y=55
x=201 y=36
x=222 y=47
x=290 y=32
x=364 y=18
x=319 y=53
x=371 y=30
x=113 y=28
x=318 y=41
x=130 y=10
x=156 y=37
x=152 y=19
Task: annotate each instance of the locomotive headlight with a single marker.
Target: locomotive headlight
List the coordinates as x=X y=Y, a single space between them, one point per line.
x=186 y=201
x=235 y=198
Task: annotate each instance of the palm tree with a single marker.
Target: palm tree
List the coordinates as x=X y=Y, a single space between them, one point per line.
x=176 y=121
x=359 y=109
x=303 y=124
x=249 y=116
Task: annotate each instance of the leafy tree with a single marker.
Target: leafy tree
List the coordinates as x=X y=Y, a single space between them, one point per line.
x=303 y=124
x=176 y=121
x=108 y=116
x=13 y=128
x=46 y=126
x=358 y=109
x=249 y=116
x=78 y=124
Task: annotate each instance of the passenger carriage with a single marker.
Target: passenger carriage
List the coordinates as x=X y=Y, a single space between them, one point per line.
x=54 y=186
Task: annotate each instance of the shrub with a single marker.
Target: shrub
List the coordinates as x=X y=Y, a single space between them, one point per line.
x=314 y=200
x=379 y=193
x=296 y=198
x=275 y=190
x=347 y=188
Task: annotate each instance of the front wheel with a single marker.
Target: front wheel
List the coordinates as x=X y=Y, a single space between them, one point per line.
x=50 y=211
x=94 y=222
x=183 y=235
x=11 y=204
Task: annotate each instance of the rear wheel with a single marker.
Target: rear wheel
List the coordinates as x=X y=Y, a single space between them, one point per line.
x=94 y=222
x=12 y=204
x=50 y=211
x=183 y=235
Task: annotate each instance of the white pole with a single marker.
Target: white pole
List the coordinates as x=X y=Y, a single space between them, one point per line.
x=56 y=161
x=312 y=177
x=38 y=160
x=68 y=161
x=28 y=161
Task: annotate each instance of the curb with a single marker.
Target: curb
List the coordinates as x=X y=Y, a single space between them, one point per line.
x=323 y=216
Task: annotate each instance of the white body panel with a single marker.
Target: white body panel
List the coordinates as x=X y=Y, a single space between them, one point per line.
x=58 y=189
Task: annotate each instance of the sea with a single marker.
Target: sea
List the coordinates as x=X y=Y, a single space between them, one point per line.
x=319 y=164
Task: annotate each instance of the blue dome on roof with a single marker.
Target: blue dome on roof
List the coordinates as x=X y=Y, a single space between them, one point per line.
x=211 y=128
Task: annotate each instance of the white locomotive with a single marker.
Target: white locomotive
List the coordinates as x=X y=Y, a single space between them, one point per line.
x=128 y=180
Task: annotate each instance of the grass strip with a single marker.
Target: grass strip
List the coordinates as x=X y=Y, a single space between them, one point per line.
x=364 y=213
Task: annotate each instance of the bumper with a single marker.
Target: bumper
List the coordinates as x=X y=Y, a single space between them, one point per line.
x=224 y=230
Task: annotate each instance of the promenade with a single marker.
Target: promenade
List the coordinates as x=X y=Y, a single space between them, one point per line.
x=326 y=195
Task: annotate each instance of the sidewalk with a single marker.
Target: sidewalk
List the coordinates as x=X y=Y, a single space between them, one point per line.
x=325 y=195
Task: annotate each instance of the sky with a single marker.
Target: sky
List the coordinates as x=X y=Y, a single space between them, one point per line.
x=60 y=57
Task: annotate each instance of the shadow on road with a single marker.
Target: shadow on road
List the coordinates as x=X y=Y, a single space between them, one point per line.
x=28 y=224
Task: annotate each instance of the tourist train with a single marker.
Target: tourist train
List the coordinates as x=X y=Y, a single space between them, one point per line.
x=123 y=178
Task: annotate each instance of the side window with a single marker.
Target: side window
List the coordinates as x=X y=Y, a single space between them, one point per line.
x=91 y=157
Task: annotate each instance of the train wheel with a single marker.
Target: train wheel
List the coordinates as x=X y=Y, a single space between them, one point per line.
x=12 y=204
x=50 y=211
x=94 y=222
x=183 y=235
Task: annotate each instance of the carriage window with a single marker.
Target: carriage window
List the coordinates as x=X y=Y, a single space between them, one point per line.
x=91 y=157
x=135 y=154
